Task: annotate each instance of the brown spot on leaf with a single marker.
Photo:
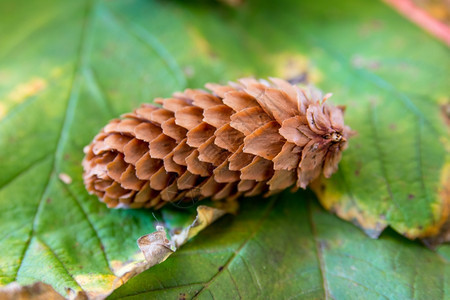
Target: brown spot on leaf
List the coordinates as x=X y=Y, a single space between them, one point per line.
x=359 y=62
x=300 y=78
x=233 y=3
x=442 y=237
x=189 y=71
x=373 y=65
x=358 y=168
x=369 y=27
x=322 y=187
x=445 y=111
x=297 y=68
x=220 y=268
x=411 y=196
x=213 y=55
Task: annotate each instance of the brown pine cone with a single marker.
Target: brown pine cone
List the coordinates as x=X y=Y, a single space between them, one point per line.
x=246 y=138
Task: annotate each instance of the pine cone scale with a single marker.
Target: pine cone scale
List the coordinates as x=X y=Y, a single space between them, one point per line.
x=249 y=120
x=200 y=134
x=265 y=141
x=228 y=138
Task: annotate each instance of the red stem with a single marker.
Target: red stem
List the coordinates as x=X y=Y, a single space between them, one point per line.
x=421 y=18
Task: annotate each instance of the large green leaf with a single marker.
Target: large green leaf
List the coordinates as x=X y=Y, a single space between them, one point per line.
x=290 y=248
x=67 y=67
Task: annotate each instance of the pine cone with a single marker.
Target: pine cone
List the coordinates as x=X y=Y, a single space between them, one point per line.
x=246 y=138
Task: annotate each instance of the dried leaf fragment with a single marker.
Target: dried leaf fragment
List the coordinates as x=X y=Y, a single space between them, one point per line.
x=156 y=247
x=36 y=291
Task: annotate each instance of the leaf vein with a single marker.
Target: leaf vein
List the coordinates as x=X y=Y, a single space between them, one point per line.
x=372 y=266
x=380 y=156
x=148 y=39
x=68 y=117
x=252 y=274
x=239 y=249
x=420 y=163
x=319 y=252
x=24 y=170
x=58 y=259
x=234 y=283
x=374 y=79
x=93 y=78
x=33 y=227
x=91 y=225
x=359 y=284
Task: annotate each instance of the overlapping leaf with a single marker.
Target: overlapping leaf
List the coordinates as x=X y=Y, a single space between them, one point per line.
x=290 y=248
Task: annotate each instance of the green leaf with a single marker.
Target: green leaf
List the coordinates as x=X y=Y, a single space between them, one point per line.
x=67 y=67
x=288 y=247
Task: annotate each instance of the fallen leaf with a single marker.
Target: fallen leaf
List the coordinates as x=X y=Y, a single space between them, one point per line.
x=36 y=291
